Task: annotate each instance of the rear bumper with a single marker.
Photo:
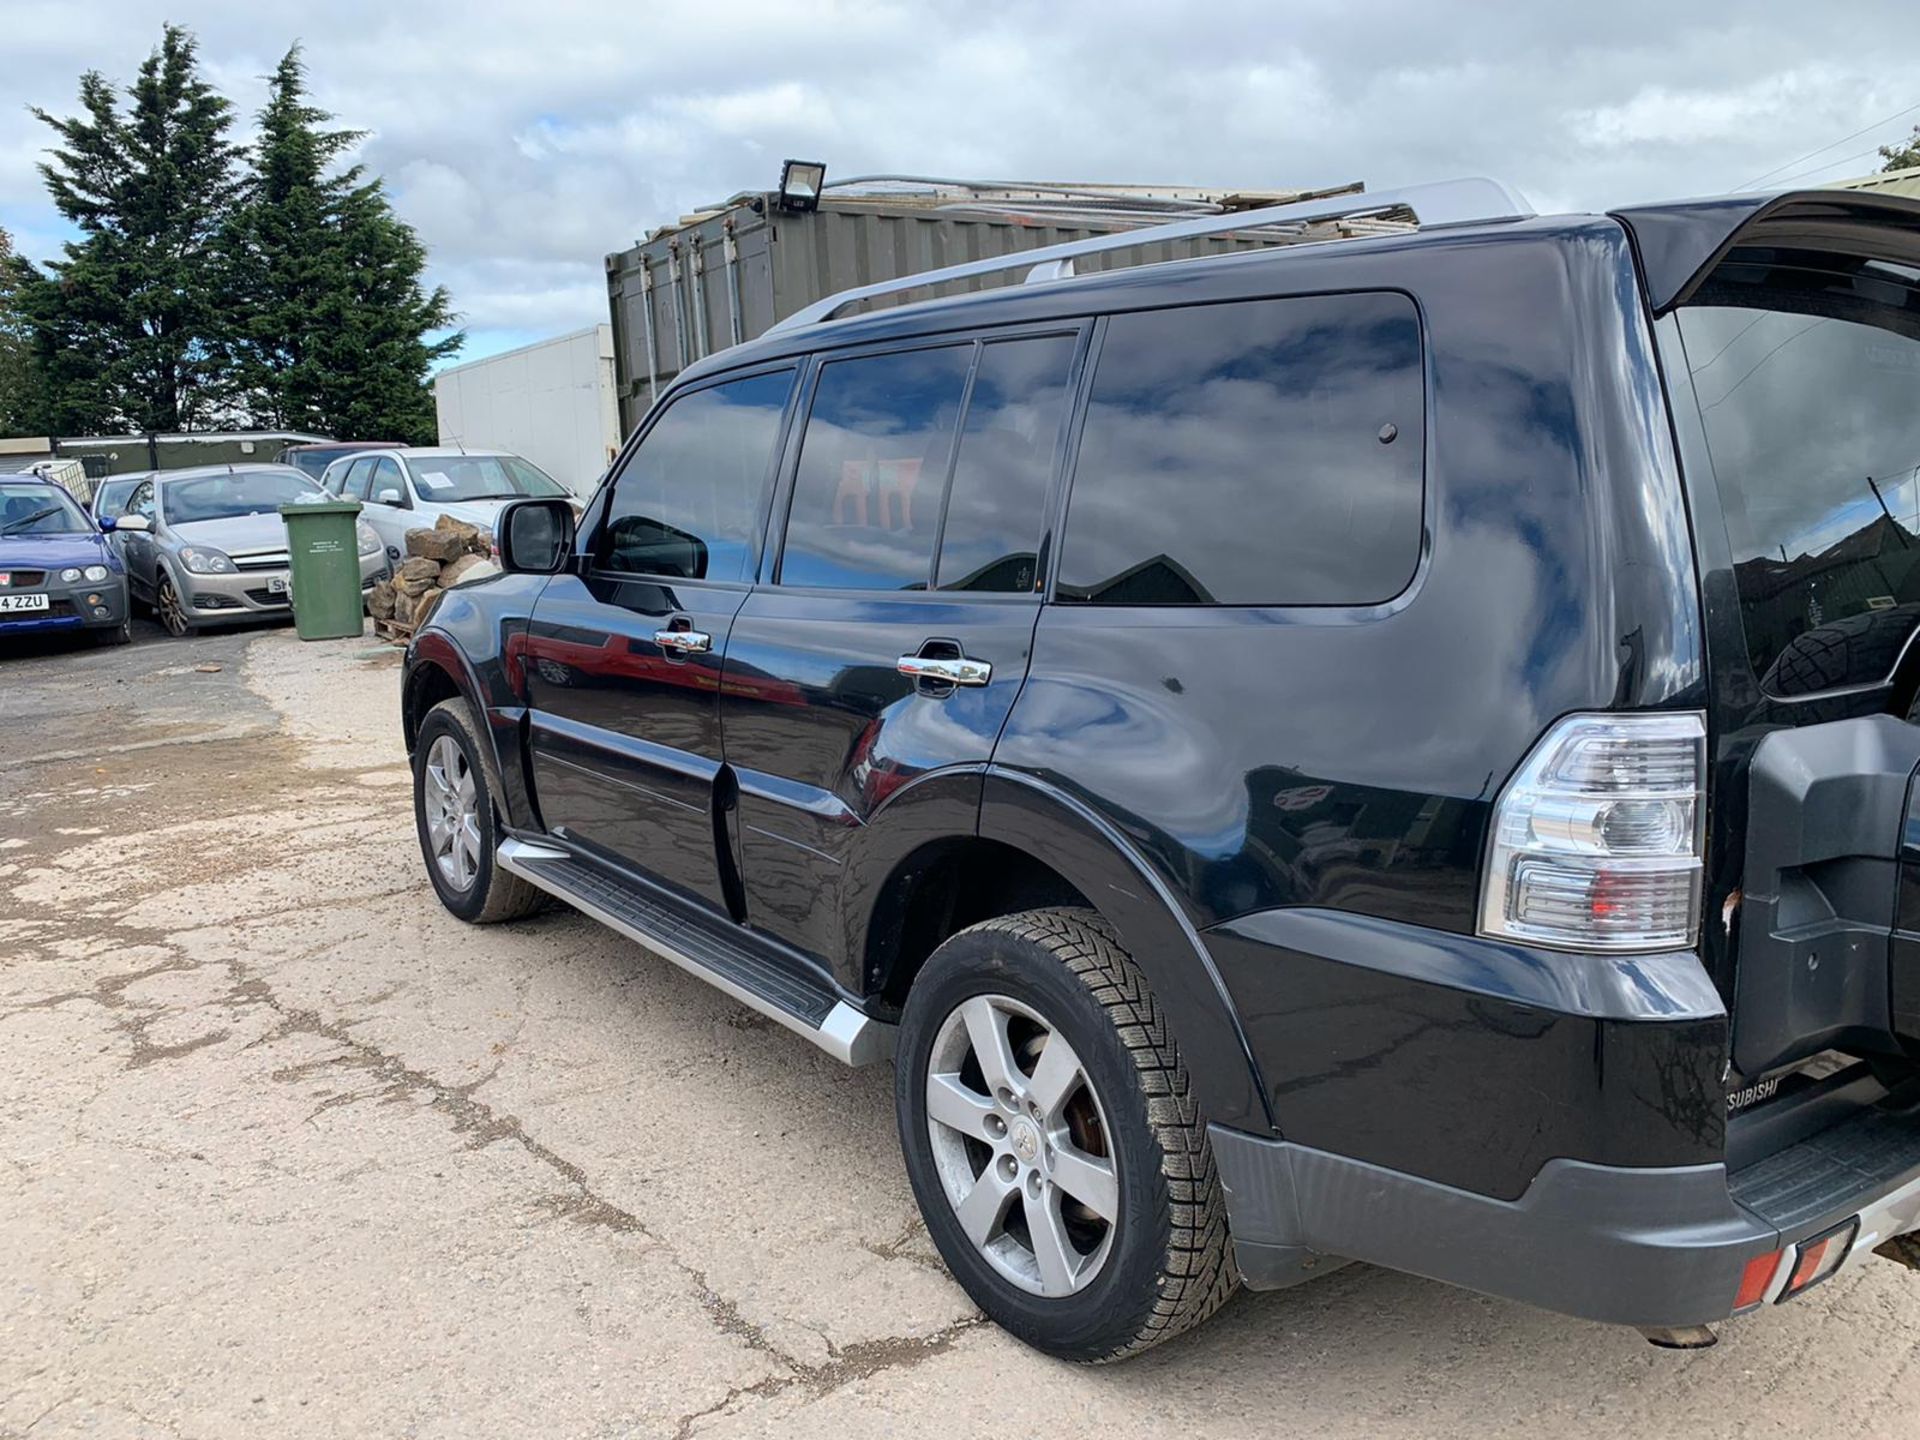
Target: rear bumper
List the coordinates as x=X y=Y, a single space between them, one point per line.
x=1663 y=1246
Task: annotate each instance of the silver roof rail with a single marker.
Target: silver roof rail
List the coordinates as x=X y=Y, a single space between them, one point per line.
x=1447 y=202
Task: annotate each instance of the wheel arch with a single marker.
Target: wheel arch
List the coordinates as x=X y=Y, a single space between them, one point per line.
x=990 y=843
x=438 y=669
x=1068 y=837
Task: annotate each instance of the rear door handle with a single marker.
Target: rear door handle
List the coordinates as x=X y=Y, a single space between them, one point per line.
x=684 y=642
x=960 y=671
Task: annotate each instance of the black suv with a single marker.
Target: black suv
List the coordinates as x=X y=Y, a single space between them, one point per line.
x=1394 y=750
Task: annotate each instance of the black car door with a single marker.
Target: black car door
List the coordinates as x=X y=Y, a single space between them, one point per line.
x=623 y=654
x=897 y=629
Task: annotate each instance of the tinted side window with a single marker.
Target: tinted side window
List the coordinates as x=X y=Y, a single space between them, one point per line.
x=1266 y=453
x=688 y=502
x=355 y=485
x=996 y=503
x=873 y=464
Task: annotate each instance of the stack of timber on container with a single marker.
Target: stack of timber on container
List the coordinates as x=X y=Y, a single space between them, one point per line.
x=729 y=273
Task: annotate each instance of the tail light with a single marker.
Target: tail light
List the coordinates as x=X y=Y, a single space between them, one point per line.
x=1597 y=839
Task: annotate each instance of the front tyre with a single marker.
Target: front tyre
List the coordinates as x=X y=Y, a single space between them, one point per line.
x=169 y=608
x=1053 y=1142
x=455 y=815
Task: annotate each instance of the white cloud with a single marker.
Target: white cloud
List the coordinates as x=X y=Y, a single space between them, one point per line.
x=527 y=141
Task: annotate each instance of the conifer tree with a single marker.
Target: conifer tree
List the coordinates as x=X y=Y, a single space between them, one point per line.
x=335 y=316
x=129 y=325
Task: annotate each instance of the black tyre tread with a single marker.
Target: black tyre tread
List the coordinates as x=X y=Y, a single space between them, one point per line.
x=1197 y=1274
x=1859 y=650
x=508 y=896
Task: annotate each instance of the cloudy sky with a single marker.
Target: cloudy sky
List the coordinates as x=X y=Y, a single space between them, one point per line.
x=526 y=140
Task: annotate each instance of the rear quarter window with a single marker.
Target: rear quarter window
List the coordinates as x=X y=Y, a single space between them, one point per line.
x=1260 y=453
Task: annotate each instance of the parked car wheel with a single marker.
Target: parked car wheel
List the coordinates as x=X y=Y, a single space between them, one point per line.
x=453 y=806
x=1053 y=1141
x=118 y=635
x=168 y=607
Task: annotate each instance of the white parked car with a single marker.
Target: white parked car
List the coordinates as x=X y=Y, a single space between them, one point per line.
x=408 y=489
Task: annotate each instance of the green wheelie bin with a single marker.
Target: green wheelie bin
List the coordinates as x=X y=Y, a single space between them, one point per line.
x=324 y=552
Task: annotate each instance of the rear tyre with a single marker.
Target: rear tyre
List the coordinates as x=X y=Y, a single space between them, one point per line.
x=1053 y=1142
x=457 y=817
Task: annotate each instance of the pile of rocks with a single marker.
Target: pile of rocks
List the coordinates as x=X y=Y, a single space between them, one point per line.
x=437 y=560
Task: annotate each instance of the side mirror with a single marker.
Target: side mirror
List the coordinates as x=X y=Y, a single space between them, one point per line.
x=127 y=522
x=535 y=537
x=389 y=496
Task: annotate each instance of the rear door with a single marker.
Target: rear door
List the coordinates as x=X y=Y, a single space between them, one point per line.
x=623 y=655
x=1794 y=366
x=897 y=626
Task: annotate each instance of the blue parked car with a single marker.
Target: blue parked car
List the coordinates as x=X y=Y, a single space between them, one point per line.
x=57 y=571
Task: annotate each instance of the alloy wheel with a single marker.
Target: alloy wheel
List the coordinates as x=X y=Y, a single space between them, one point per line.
x=1020 y=1144
x=452 y=805
x=173 y=614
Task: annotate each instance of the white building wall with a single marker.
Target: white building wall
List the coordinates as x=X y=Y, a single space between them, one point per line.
x=552 y=402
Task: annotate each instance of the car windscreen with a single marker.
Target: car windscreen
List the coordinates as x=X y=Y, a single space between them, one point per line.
x=40 y=509
x=1806 y=368
x=443 y=479
x=243 y=492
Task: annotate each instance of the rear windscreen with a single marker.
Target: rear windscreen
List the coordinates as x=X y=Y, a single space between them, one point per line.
x=1807 y=371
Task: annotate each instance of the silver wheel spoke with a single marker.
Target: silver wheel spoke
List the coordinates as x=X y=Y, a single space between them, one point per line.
x=1026 y=1142
x=1088 y=1179
x=468 y=841
x=1055 y=1076
x=985 y=1207
x=958 y=1108
x=1059 y=1262
x=987 y=1029
x=450 y=803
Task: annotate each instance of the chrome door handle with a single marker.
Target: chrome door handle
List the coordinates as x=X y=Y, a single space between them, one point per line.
x=952 y=672
x=686 y=642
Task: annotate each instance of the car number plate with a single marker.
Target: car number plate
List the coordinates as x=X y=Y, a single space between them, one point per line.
x=276 y=584
x=23 y=602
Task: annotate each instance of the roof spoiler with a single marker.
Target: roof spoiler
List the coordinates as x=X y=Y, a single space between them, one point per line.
x=1681 y=243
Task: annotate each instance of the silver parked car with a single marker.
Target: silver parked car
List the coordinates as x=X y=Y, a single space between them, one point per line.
x=208 y=547
x=411 y=488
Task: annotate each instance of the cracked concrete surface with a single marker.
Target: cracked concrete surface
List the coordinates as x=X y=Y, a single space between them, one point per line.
x=285 y=1150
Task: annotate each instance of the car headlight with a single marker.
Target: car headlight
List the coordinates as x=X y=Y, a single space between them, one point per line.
x=96 y=573
x=202 y=561
x=70 y=576
x=369 y=540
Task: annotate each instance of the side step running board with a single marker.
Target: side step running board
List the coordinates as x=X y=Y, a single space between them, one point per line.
x=801 y=1002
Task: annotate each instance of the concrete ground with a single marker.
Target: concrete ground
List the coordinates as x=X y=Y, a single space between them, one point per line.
x=285 y=1150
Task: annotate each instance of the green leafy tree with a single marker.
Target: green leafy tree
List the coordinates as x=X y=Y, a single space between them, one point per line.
x=21 y=409
x=337 y=316
x=1904 y=156
x=129 y=324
